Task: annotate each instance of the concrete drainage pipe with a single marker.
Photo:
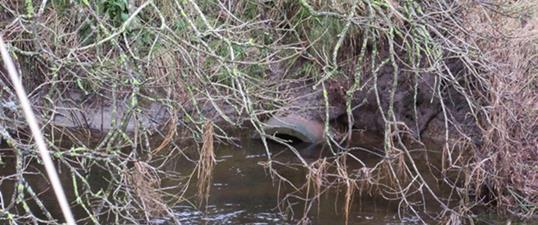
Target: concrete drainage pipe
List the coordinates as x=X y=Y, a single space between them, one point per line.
x=295 y=126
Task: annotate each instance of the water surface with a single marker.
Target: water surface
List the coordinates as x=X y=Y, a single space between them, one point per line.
x=243 y=192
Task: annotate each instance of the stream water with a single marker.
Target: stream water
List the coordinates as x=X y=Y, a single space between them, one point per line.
x=243 y=192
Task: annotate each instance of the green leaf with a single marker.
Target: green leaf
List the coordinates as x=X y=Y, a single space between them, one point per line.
x=124 y=16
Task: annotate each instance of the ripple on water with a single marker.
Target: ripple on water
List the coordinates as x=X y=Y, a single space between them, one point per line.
x=227 y=213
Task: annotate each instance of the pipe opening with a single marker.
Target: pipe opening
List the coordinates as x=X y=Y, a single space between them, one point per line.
x=295 y=128
x=290 y=139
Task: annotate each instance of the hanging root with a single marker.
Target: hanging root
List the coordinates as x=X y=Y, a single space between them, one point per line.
x=206 y=163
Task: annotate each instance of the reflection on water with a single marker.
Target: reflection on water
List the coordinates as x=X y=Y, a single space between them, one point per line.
x=244 y=193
